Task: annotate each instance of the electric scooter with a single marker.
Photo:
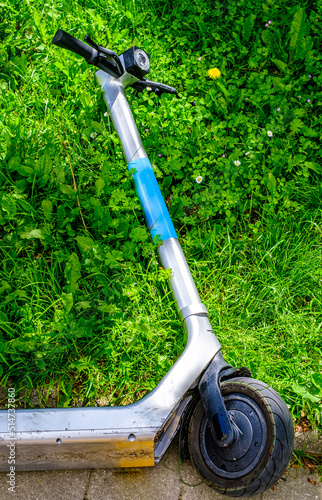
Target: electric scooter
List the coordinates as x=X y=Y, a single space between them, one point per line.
x=237 y=430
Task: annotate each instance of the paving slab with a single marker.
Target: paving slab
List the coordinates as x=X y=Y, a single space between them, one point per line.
x=169 y=480
x=46 y=485
x=296 y=484
x=309 y=441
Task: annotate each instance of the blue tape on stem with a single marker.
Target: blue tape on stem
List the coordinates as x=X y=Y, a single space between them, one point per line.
x=155 y=210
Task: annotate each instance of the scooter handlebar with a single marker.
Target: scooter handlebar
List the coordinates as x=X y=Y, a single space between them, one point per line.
x=108 y=61
x=67 y=41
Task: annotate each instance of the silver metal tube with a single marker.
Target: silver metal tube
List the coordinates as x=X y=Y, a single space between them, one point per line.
x=170 y=253
x=121 y=115
x=182 y=285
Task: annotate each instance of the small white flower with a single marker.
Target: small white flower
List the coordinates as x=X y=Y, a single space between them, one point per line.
x=106 y=113
x=269 y=133
x=237 y=163
x=93 y=135
x=199 y=179
x=247 y=153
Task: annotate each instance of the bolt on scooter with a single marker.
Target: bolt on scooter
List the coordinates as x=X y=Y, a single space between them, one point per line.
x=237 y=430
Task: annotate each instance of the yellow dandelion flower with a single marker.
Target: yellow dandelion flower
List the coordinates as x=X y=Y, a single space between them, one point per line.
x=214 y=73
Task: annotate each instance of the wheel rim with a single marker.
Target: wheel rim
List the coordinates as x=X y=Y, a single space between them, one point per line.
x=242 y=456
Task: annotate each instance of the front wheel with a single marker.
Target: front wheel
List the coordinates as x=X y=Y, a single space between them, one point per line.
x=264 y=440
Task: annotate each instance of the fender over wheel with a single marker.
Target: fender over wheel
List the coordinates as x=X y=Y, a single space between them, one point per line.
x=264 y=440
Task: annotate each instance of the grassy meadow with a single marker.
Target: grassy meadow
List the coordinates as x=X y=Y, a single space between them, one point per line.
x=86 y=316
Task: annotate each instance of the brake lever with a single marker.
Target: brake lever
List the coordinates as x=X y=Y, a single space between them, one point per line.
x=112 y=57
x=98 y=47
x=157 y=88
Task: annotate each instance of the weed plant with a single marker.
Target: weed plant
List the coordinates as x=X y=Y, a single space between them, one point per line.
x=85 y=310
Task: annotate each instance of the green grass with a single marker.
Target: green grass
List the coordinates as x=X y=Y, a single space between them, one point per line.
x=263 y=293
x=86 y=315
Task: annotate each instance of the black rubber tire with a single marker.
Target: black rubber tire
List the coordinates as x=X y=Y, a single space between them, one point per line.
x=269 y=440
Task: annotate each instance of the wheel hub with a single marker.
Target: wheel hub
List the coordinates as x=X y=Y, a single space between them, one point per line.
x=243 y=455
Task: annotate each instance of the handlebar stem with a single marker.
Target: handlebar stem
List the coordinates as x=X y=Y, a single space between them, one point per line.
x=120 y=112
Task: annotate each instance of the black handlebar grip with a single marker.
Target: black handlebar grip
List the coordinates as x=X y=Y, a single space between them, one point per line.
x=67 y=41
